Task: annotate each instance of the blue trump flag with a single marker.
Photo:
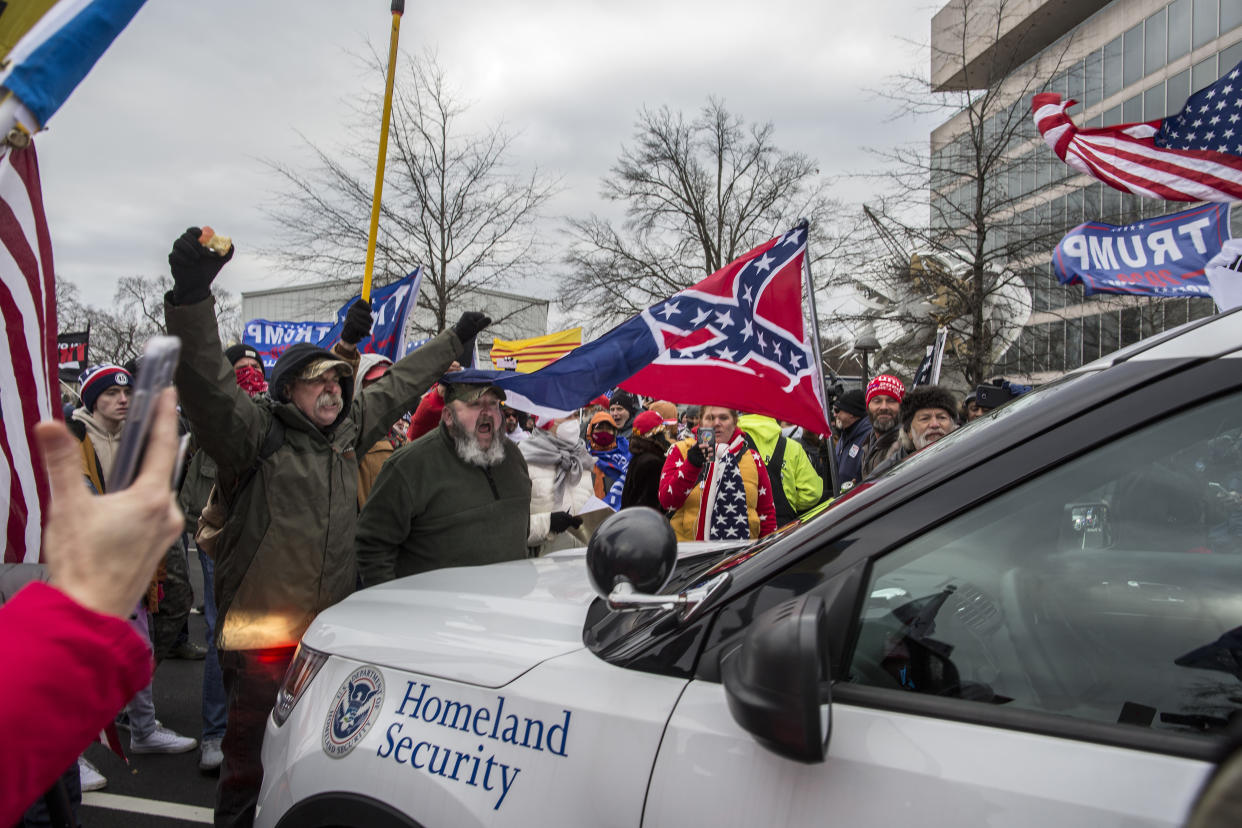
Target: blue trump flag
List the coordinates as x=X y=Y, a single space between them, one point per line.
x=1162 y=256
x=390 y=310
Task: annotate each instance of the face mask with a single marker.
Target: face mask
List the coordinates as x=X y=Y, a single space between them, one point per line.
x=568 y=431
x=603 y=439
x=250 y=379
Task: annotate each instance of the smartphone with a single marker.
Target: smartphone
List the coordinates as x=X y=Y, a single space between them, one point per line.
x=159 y=361
x=706 y=438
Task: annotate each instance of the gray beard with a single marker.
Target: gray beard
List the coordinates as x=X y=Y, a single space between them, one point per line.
x=469 y=450
x=882 y=431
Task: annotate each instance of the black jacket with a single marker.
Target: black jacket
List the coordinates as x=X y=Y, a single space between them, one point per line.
x=642 y=479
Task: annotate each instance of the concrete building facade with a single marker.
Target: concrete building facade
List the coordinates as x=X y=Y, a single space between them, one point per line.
x=1124 y=61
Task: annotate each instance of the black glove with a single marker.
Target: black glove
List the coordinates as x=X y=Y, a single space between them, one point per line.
x=695 y=456
x=357 y=323
x=194 y=267
x=563 y=520
x=469 y=325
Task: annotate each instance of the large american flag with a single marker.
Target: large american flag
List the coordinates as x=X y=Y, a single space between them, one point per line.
x=1195 y=155
x=741 y=338
x=58 y=45
x=27 y=349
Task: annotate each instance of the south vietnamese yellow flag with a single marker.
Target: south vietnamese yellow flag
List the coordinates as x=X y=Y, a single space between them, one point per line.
x=529 y=355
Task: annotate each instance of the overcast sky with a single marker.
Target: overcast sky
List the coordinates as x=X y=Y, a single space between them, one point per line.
x=171 y=127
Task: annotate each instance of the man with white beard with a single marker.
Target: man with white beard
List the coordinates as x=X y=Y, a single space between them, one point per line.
x=928 y=414
x=457 y=496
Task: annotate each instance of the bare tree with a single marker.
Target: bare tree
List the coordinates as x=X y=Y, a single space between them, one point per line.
x=451 y=201
x=119 y=333
x=697 y=193
x=956 y=237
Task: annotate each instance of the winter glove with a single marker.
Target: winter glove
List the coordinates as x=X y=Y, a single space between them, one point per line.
x=560 y=521
x=357 y=323
x=469 y=325
x=695 y=457
x=194 y=267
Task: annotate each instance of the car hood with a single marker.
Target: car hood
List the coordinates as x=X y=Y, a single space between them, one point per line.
x=483 y=625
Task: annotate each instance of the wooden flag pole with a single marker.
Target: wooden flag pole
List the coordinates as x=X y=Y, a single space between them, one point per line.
x=398 y=9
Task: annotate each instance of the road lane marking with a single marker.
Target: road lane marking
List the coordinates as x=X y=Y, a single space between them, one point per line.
x=153 y=807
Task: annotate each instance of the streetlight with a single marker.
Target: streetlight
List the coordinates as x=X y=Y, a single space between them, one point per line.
x=866 y=344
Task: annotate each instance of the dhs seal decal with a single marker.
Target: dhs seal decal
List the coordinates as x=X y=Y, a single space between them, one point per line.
x=354 y=710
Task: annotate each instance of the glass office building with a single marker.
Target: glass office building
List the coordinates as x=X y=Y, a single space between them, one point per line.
x=1124 y=61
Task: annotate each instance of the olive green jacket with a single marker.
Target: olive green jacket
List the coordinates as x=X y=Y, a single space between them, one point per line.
x=286 y=551
x=430 y=509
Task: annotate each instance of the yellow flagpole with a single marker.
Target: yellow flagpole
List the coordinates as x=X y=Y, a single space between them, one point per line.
x=398 y=8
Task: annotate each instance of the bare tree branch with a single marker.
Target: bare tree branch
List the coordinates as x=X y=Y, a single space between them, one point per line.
x=451 y=202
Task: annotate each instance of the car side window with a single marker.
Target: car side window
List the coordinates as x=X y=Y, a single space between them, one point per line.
x=1108 y=589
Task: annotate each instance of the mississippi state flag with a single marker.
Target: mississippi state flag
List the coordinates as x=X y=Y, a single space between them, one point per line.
x=739 y=338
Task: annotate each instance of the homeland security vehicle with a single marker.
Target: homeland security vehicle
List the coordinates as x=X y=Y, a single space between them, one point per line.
x=1035 y=621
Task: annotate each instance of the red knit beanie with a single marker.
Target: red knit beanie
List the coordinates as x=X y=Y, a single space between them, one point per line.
x=885 y=384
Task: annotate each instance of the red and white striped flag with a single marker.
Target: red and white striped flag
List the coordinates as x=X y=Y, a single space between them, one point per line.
x=27 y=349
x=1148 y=159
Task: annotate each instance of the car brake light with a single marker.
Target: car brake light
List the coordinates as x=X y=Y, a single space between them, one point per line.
x=302 y=671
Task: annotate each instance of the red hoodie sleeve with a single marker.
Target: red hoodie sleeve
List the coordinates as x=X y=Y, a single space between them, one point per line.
x=68 y=671
x=677 y=479
x=766 y=506
x=427 y=415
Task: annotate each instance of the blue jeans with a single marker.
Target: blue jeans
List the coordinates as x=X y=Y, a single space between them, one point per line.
x=215 y=702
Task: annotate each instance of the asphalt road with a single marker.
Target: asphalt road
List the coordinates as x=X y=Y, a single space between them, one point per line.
x=159 y=791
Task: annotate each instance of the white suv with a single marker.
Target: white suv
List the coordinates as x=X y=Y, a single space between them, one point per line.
x=1035 y=621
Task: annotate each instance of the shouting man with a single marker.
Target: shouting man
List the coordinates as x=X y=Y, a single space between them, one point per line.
x=457 y=496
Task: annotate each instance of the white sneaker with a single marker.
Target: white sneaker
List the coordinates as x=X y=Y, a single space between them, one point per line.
x=212 y=756
x=89 y=776
x=162 y=740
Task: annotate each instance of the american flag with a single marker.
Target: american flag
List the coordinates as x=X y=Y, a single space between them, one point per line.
x=28 y=348
x=740 y=338
x=1195 y=155
x=57 y=47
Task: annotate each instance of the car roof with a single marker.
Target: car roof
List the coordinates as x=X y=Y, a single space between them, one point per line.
x=1006 y=427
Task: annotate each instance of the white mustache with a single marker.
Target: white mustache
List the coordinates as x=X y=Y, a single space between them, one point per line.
x=326 y=399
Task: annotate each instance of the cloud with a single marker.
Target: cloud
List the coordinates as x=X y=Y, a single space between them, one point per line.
x=171 y=127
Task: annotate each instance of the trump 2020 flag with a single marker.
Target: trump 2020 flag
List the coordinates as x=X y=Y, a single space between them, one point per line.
x=390 y=309
x=1195 y=155
x=1162 y=256
x=52 y=52
x=739 y=338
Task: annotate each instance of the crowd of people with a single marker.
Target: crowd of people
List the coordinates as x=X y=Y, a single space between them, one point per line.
x=340 y=470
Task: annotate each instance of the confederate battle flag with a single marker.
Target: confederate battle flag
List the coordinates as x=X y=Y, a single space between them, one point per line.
x=739 y=338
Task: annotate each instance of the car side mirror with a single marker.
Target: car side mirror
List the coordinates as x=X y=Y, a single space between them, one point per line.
x=777 y=682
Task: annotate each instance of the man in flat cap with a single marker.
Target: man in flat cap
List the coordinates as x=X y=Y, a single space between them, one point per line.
x=287 y=473
x=457 y=496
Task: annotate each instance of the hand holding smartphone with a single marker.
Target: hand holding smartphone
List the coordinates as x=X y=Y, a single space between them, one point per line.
x=706 y=439
x=159 y=361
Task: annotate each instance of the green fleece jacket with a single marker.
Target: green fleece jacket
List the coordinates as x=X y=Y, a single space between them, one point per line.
x=802 y=485
x=430 y=509
x=286 y=551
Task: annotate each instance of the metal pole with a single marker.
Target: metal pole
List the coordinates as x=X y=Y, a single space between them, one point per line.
x=833 y=477
x=398 y=9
